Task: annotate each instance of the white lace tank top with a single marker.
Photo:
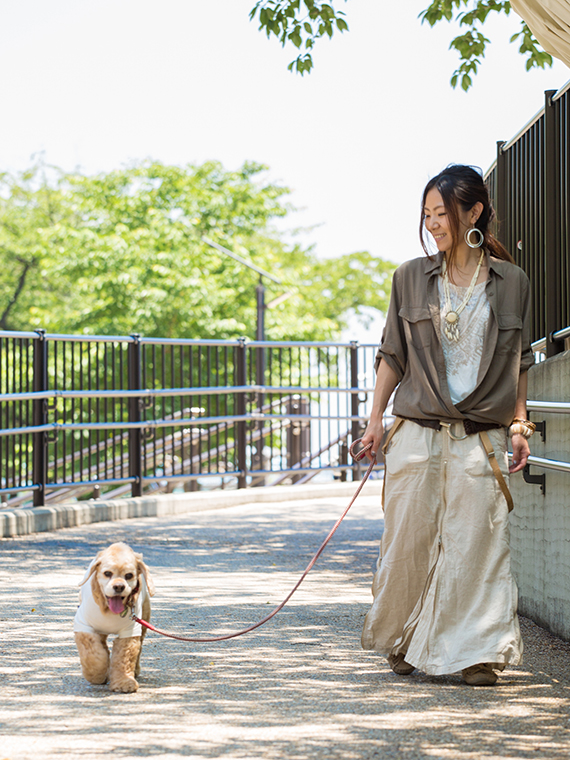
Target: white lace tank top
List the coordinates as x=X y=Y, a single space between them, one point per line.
x=462 y=359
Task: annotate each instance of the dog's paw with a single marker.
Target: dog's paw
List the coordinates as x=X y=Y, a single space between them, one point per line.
x=126 y=685
x=96 y=679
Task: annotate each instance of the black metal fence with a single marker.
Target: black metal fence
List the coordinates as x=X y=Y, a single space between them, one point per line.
x=84 y=415
x=529 y=183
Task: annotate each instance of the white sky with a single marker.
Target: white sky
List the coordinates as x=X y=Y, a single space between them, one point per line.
x=97 y=83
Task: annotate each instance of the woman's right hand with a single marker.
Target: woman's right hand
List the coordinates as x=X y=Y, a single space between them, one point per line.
x=373 y=434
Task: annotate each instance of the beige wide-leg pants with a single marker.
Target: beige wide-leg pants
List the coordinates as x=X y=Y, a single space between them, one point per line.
x=443 y=593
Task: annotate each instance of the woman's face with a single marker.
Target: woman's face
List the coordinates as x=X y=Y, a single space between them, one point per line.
x=438 y=223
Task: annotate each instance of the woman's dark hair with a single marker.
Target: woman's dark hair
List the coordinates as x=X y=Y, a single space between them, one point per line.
x=463 y=186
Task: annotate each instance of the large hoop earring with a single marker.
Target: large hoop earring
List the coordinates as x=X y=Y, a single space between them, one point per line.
x=467 y=237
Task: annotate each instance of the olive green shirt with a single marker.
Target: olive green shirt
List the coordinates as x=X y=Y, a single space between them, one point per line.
x=411 y=344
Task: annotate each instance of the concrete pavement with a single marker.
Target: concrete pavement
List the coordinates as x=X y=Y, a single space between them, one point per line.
x=298 y=688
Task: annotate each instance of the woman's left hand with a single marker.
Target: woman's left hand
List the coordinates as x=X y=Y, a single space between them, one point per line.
x=521 y=452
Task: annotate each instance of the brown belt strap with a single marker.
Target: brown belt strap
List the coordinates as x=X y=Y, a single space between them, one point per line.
x=397 y=422
x=488 y=446
x=489 y=450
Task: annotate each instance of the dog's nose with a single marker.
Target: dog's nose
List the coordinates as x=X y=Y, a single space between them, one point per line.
x=119 y=587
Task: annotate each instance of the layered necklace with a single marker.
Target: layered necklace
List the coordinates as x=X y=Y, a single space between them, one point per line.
x=451 y=326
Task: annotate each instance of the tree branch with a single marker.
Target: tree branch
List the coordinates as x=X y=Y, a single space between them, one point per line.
x=20 y=286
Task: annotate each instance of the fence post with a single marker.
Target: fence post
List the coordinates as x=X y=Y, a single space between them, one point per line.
x=39 y=412
x=552 y=274
x=354 y=404
x=257 y=454
x=298 y=433
x=343 y=460
x=241 y=432
x=501 y=191
x=134 y=409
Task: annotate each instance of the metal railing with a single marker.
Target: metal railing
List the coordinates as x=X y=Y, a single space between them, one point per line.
x=83 y=414
x=529 y=184
x=544 y=407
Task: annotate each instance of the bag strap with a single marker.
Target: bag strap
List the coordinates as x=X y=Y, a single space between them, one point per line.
x=397 y=423
x=490 y=451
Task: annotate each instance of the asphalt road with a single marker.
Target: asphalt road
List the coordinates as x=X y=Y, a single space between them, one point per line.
x=298 y=688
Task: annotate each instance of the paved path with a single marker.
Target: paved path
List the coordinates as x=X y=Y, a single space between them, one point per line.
x=299 y=688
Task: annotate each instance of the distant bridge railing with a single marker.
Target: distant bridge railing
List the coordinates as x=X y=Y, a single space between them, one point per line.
x=83 y=415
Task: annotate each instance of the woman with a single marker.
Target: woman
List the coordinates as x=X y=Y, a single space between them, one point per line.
x=457 y=345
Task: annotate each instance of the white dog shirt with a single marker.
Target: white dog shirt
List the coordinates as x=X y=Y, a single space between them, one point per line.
x=89 y=617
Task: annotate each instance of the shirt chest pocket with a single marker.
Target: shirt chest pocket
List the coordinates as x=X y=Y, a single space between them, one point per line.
x=510 y=333
x=418 y=327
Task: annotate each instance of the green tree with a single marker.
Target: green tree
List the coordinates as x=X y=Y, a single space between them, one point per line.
x=124 y=252
x=30 y=209
x=470 y=17
x=304 y=22
x=301 y=23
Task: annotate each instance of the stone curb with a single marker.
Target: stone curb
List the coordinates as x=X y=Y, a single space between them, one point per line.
x=22 y=522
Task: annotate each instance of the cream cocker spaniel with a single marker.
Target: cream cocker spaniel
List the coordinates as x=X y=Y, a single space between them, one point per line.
x=120 y=584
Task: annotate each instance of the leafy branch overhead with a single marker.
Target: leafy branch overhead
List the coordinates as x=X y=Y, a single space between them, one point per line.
x=471 y=45
x=301 y=22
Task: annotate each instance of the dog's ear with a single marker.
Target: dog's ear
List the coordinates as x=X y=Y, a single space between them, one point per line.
x=93 y=567
x=98 y=595
x=142 y=569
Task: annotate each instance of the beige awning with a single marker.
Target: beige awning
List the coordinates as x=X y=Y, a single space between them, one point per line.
x=549 y=21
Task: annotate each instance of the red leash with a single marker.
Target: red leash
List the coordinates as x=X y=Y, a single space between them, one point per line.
x=357 y=457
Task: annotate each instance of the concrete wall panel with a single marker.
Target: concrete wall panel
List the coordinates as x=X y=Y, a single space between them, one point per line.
x=540 y=525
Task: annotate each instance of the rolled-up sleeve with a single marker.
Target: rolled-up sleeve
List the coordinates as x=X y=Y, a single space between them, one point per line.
x=527 y=354
x=393 y=349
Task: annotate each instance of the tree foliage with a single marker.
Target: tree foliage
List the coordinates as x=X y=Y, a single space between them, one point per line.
x=303 y=22
x=471 y=15
x=124 y=252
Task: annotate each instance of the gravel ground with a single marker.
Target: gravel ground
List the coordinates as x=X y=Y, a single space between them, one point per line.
x=299 y=687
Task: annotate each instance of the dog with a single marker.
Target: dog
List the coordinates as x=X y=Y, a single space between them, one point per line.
x=120 y=583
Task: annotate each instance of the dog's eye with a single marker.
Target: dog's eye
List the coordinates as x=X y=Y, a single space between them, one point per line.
x=108 y=574
x=129 y=576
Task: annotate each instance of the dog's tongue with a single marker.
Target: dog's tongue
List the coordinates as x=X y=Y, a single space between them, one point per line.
x=115 y=604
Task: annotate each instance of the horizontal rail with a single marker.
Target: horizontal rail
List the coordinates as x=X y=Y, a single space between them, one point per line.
x=530 y=123
x=549 y=464
x=189 y=422
x=564 y=89
x=561 y=334
x=19 y=334
x=18 y=489
x=553 y=407
x=164 y=392
x=102 y=482
x=254 y=473
x=560 y=407
x=188 y=477
x=540 y=344
x=190 y=342
x=181 y=341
